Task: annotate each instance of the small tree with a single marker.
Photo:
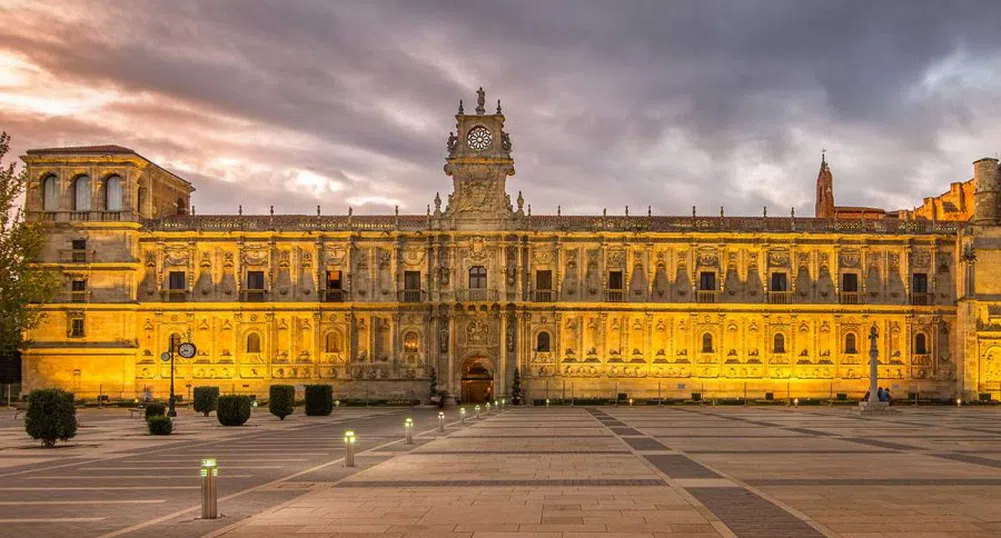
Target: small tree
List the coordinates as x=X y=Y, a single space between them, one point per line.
x=51 y=416
x=281 y=400
x=206 y=399
x=233 y=410
x=319 y=400
x=516 y=388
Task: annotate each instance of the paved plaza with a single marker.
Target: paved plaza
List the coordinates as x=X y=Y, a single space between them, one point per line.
x=538 y=472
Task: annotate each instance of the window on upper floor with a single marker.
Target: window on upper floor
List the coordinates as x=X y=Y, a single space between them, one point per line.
x=78 y=291
x=544 y=280
x=113 y=193
x=542 y=342
x=255 y=280
x=50 y=193
x=849 y=282
x=707 y=281
x=920 y=344
x=253 y=343
x=79 y=253
x=412 y=280
x=780 y=282
x=850 y=343
x=76 y=327
x=779 y=344
x=919 y=283
x=411 y=342
x=176 y=280
x=333 y=280
x=615 y=280
x=333 y=342
x=707 y=343
x=477 y=277
x=81 y=194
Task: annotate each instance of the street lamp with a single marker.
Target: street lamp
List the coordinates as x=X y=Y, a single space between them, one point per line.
x=186 y=350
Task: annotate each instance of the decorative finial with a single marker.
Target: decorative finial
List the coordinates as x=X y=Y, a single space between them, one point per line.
x=529 y=210
x=721 y=211
x=521 y=201
x=317 y=211
x=481 y=99
x=792 y=212
x=693 y=212
x=823 y=156
x=397 y=211
x=604 y=212
x=627 y=211
x=498 y=106
x=649 y=210
x=239 y=211
x=559 y=210
x=765 y=211
x=437 y=202
x=350 y=210
x=272 y=211
x=192 y=210
x=461 y=111
x=429 y=210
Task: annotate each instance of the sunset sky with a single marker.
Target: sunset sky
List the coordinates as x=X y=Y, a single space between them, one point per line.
x=670 y=104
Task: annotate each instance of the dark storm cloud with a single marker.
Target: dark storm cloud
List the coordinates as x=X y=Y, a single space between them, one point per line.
x=670 y=104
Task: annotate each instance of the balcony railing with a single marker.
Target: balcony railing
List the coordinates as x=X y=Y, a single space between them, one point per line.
x=411 y=296
x=707 y=296
x=78 y=296
x=174 y=296
x=253 y=296
x=79 y=215
x=76 y=256
x=615 y=296
x=544 y=296
x=922 y=299
x=332 y=296
x=851 y=297
x=779 y=297
x=476 y=294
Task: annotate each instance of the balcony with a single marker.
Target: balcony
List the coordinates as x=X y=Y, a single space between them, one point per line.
x=80 y=215
x=476 y=294
x=78 y=296
x=332 y=296
x=174 y=296
x=922 y=299
x=76 y=256
x=253 y=296
x=615 y=296
x=851 y=297
x=707 y=296
x=411 y=296
x=779 y=297
x=544 y=296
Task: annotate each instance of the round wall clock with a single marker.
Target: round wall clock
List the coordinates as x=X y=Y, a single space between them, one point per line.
x=479 y=138
x=187 y=350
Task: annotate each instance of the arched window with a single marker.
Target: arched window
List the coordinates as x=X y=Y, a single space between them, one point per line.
x=81 y=194
x=333 y=343
x=542 y=342
x=920 y=344
x=477 y=278
x=50 y=193
x=779 y=344
x=113 y=193
x=411 y=342
x=253 y=343
x=707 y=343
x=850 y=343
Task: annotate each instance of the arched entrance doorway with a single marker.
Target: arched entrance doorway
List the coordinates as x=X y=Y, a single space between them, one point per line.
x=477 y=380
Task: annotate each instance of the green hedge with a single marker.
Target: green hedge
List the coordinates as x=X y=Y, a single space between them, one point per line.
x=233 y=410
x=281 y=400
x=50 y=416
x=206 y=399
x=159 y=425
x=319 y=400
x=155 y=409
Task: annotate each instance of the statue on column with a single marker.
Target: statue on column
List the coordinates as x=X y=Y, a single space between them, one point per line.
x=481 y=101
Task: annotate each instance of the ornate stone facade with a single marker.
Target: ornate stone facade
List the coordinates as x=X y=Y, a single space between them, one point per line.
x=479 y=287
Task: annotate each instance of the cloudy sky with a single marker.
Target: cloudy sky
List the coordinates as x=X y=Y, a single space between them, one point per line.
x=349 y=103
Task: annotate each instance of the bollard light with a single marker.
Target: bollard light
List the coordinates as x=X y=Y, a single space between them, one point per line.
x=503 y=402
x=408 y=427
x=441 y=421
x=796 y=402
x=630 y=402
x=476 y=410
x=959 y=402
x=254 y=403
x=488 y=408
x=210 y=503
x=337 y=403
x=462 y=415
x=349 y=448
x=547 y=402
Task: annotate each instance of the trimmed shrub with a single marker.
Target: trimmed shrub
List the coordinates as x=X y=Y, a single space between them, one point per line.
x=319 y=400
x=516 y=389
x=159 y=425
x=281 y=400
x=232 y=410
x=206 y=399
x=155 y=409
x=50 y=416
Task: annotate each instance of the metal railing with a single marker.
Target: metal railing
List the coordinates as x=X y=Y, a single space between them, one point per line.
x=707 y=296
x=779 y=297
x=477 y=294
x=332 y=296
x=174 y=296
x=78 y=296
x=922 y=299
x=411 y=296
x=615 y=296
x=76 y=256
x=253 y=296
x=544 y=296
x=851 y=297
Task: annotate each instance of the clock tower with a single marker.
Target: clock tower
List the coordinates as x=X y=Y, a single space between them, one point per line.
x=479 y=162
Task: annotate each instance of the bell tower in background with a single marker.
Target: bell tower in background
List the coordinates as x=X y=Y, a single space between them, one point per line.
x=479 y=162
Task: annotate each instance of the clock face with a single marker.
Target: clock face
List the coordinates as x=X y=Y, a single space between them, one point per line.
x=479 y=138
x=186 y=350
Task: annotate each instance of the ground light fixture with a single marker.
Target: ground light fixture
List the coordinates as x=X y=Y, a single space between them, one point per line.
x=441 y=421
x=210 y=503
x=408 y=427
x=476 y=410
x=462 y=415
x=349 y=448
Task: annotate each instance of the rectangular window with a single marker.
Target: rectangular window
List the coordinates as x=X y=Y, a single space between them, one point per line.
x=255 y=280
x=412 y=280
x=615 y=280
x=544 y=280
x=333 y=280
x=78 y=291
x=177 y=281
x=79 y=244
x=919 y=283
x=779 y=282
x=79 y=250
x=849 y=282
x=79 y=285
x=707 y=281
x=76 y=328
